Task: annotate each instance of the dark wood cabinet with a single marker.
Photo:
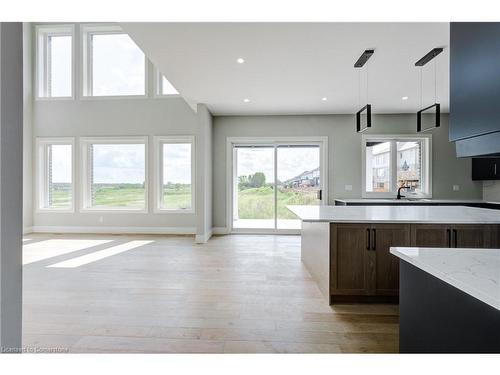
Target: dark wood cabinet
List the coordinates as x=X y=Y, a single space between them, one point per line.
x=475 y=236
x=385 y=278
x=350 y=244
x=442 y=235
x=485 y=169
x=362 y=267
x=430 y=235
x=361 y=263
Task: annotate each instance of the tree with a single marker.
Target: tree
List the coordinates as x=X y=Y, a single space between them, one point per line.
x=258 y=180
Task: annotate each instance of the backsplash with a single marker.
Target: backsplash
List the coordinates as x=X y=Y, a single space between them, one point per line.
x=491 y=191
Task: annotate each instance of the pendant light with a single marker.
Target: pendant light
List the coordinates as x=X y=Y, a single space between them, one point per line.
x=367 y=109
x=436 y=106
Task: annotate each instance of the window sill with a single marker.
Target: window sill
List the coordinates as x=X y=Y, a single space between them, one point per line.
x=53 y=98
x=55 y=210
x=114 y=210
x=113 y=97
x=173 y=211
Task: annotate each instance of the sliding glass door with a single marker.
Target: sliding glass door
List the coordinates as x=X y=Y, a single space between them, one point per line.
x=253 y=187
x=269 y=176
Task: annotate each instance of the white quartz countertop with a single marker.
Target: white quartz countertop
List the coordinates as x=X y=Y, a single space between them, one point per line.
x=397 y=214
x=473 y=271
x=422 y=201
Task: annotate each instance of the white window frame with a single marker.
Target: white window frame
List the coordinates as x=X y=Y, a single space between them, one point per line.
x=87 y=31
x=426 y=172
x=85 y=142
x=158 y=86
x=159 y=141
x=43 y=32
x=42 y=175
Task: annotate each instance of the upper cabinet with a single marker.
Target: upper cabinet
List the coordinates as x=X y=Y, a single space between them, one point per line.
x=475 y=87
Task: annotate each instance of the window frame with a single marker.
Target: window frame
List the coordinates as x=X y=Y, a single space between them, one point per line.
x=41 y=173
x=159 y=141
x=87 y=31
x=426 y=171
x=158 y=86
x=86 y=205
x=42 y=32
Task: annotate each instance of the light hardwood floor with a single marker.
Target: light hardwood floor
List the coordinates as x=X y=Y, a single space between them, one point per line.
x=235 y=294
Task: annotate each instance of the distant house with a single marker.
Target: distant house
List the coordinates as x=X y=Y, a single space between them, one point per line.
x=305 y=179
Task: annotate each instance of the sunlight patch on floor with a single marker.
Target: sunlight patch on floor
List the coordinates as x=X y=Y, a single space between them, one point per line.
x=98 y=255
x=42 y=250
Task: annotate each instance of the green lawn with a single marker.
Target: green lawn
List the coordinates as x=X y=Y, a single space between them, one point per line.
x=258 y=203
x=175 y=196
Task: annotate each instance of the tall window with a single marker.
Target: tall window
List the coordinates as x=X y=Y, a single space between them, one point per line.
x=54 y=67
x=391 y=162
x=115 y=173
x=175 y=173
x=113 y=65
x=55 y=174
x=163 y=86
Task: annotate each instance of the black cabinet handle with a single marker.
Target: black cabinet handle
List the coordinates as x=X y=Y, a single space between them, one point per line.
x=455 y=237
x=367 y=239
x=448 y=232
x=374 y=239
x=495 y=169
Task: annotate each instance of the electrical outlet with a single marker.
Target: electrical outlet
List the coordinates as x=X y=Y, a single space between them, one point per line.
x=101 y=219
x=456 y=187
x=348 y=188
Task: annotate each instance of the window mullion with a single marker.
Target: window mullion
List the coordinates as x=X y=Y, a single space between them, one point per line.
x=394 y=166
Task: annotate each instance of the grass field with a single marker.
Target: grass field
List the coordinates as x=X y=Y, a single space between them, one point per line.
x=126 y=195
x=258 y=203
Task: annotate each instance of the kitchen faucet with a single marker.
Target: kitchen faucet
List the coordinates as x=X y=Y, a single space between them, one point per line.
x=399 y=196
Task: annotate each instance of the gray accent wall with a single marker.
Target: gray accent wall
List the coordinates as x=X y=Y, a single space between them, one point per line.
x=344 y=153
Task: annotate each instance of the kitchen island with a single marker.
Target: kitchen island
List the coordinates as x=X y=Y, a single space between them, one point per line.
x=449 y=300
x=347 y=249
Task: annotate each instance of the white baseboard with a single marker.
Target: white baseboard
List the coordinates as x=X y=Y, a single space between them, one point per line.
x=221 y=230
x=203 y=238
x=114 y=230
x=27 y=230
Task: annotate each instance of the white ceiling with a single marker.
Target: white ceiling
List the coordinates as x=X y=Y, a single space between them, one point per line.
x=289 y=67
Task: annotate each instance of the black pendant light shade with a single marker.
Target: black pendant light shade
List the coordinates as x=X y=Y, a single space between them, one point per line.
x=368 y=109
x=437 y=117
x=436 y=107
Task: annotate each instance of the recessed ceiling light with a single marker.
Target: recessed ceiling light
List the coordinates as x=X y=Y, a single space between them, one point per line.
x=240 y=60
x=324 y=98
x=246 y=100
x=404 y=98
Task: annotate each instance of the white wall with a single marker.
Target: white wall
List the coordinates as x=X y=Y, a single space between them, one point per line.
x=121 y=117
x=491 y=191
x=344 y=156
x=11 y=179
x=27 y=129
x=204 y=174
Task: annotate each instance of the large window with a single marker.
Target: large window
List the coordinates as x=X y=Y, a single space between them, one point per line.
x=390 y=162
x=54 y=65
x=115 y=175
x=55 y=174
x=175 y=174
x=113 y=65
x=163 y=86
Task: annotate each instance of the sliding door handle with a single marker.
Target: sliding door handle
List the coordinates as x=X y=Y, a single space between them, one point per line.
x=368 y=239
x=374 y=239
x=448 y=233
